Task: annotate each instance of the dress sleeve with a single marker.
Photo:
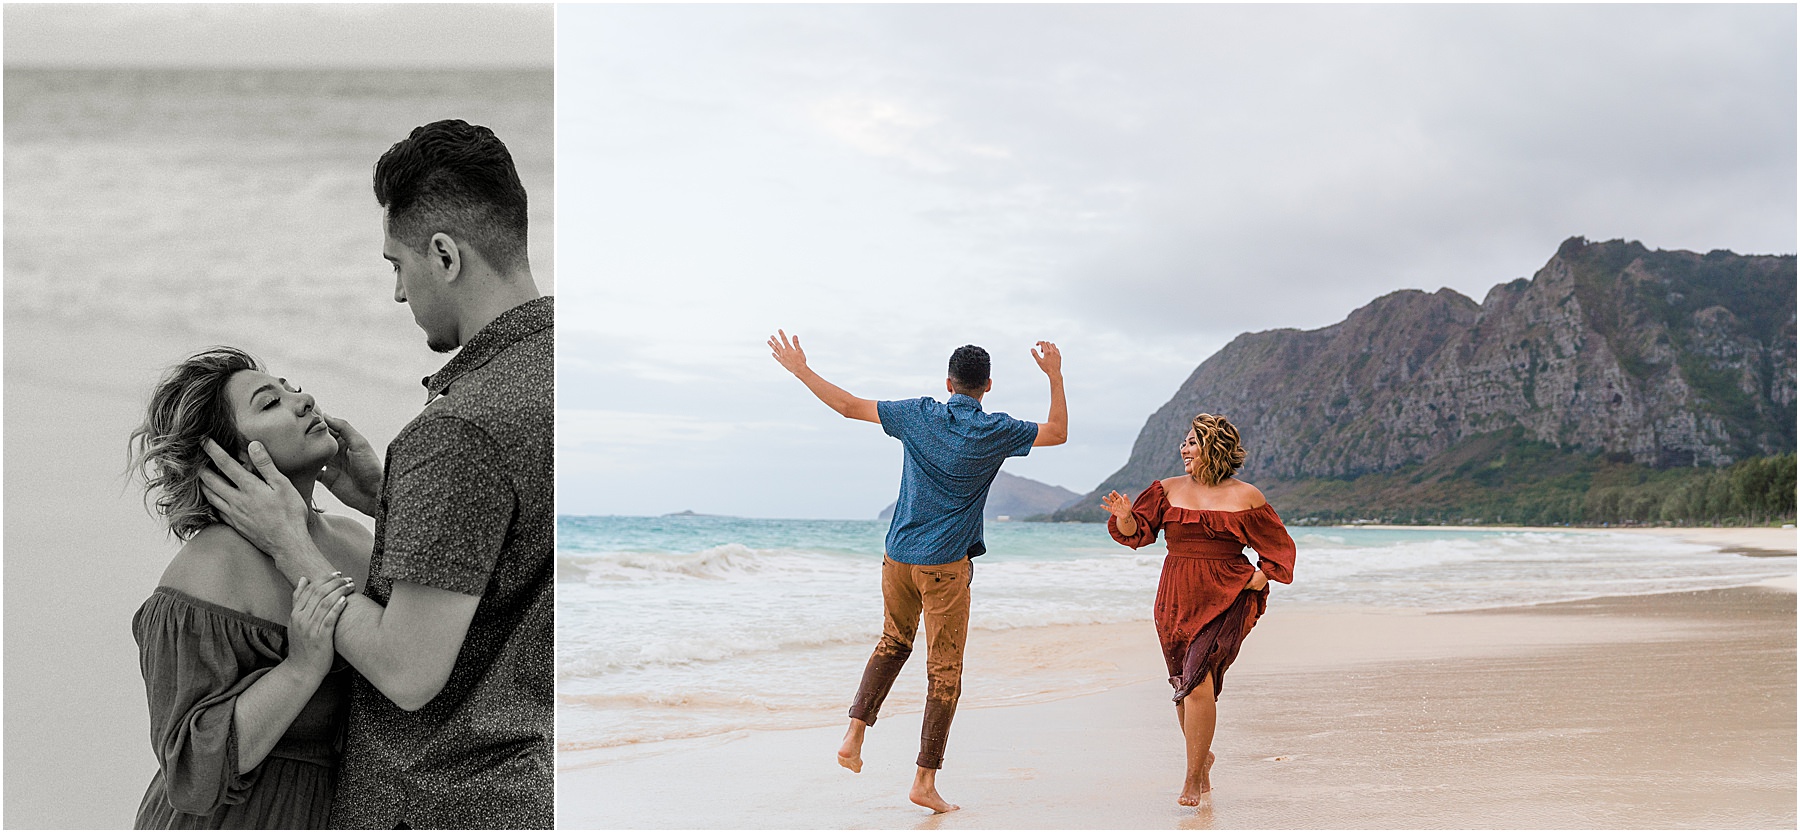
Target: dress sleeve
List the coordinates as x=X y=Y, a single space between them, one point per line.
x=1274 y=547
x=1147 y=510
x=193 y=676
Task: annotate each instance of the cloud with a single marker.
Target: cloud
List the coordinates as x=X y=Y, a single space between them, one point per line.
x=582 y=428
x=891 y=129
x=1141 y=183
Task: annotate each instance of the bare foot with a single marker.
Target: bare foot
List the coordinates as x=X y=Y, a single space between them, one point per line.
x=1195 y=789
x=850 y=754
x=924 y=792
x=927 y=797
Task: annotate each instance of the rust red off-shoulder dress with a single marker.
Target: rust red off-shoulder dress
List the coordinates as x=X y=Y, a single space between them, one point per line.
x=1202 y=608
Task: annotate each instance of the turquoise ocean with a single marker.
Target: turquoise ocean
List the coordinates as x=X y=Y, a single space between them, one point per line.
x=691 y=626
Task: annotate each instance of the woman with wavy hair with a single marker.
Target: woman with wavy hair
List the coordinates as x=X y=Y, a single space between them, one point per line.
x=1210 y=594
x=246 y=697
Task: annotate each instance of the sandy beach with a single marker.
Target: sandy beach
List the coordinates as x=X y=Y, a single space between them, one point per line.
x=1668 y=711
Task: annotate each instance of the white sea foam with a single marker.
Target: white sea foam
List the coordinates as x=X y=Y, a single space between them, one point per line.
x=732 y=623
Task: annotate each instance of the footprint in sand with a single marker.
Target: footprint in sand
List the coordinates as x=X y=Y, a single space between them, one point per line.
x=1281 y=758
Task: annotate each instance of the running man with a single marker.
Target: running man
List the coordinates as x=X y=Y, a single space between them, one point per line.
x=953 y=451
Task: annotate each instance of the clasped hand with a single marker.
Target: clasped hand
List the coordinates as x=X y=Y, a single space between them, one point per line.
x=312 y=624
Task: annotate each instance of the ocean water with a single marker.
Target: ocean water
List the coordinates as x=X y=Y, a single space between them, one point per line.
x=234 y=206
x=690 y=626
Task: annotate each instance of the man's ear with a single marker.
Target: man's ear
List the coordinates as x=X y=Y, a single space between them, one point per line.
x=949 y=384
x=989 y=386
x=446 y=255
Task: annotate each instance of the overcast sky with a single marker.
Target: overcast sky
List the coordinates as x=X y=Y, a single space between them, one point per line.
x=280 y=35
x=1137 y=183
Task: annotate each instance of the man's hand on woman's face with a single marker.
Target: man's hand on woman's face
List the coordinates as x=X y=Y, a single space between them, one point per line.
x=262 y=505
x=354 y=473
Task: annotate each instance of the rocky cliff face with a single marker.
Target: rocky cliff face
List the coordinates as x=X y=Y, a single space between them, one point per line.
x=1661 y=358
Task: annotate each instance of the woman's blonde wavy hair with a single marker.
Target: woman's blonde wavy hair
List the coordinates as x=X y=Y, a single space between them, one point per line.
x=1221 y=451
x=187 y=407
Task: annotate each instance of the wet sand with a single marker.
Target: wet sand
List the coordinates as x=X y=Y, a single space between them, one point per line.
x=1666 y=711
x=1756 y=541
x=82 y=554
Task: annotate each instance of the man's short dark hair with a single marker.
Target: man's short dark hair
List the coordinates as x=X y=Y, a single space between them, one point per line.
x=457 y=178
x=970 y=368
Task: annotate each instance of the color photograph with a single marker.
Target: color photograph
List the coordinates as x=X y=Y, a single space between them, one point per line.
x=952 y=400
x=253 y=579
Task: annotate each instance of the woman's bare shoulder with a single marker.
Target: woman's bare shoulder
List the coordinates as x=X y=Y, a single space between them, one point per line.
x=356 y=539
x=348 y=528
x=220 y=566
x=1252 y=496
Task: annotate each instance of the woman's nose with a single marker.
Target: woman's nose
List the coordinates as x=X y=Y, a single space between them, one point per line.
x=306 y=403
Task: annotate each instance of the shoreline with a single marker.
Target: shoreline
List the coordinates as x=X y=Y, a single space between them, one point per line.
x=1478 y=719
x=1760 y=539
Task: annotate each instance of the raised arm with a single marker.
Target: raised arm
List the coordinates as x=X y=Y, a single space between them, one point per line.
x=787 y=351
x=1055 y=430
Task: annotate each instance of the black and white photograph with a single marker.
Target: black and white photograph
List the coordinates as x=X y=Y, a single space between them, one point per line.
x=279 y=420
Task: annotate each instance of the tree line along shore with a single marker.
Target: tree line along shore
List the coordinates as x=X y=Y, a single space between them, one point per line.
x=1516 y=482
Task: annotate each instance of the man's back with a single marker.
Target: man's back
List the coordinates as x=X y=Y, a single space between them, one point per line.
x=953 y=451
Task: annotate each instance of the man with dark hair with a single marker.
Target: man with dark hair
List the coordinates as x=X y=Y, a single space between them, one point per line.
x=953 y=450
x=452 y=713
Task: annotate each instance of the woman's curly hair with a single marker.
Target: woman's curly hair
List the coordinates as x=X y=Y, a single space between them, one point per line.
x=1221 y=451
x=187 y=407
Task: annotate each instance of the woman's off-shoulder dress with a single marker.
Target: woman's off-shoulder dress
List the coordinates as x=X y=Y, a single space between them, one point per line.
x=197 y=657
x=1203 y=611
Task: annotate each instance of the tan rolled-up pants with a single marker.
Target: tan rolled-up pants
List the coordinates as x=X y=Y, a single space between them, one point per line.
x=939 y=593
